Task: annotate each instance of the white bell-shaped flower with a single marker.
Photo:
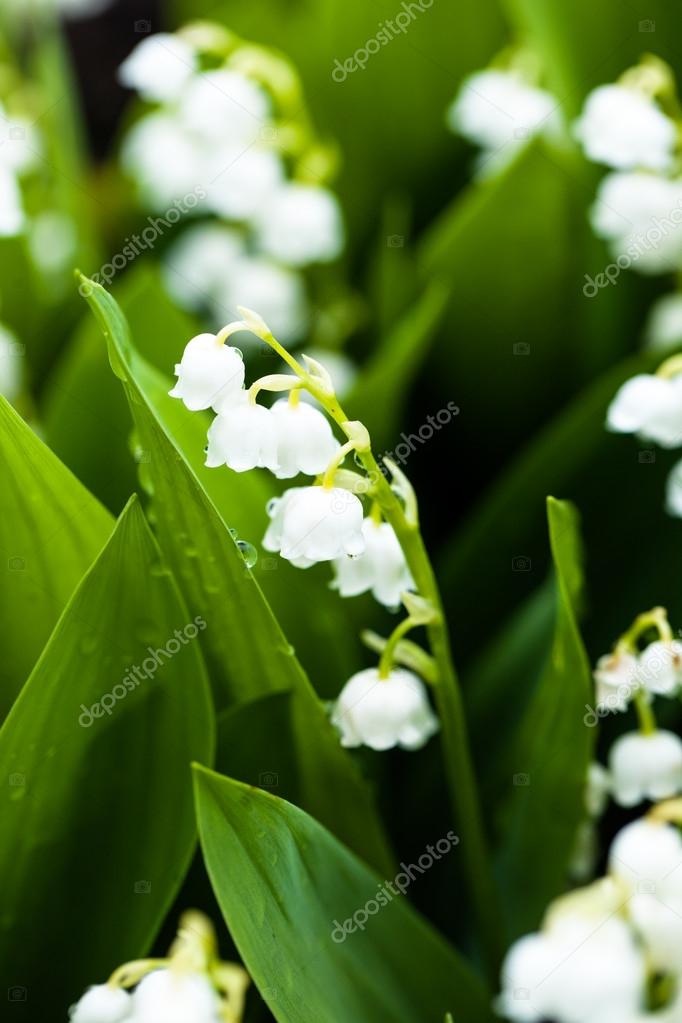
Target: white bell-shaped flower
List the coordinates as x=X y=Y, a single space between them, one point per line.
x=384 y=712
x=645 y=767
x=305 y=441
x=660 y=668
x=673 y=491
x=624 y=129
x=196 y=267
x=639 y=215
x=664 y=323
x=497 y=109
x=102 y=1004
x=159 y=67
x=277 y=293
x=381 y=569
x=584 y=966
x=649 y=406
x=241 y=182
x=616 y=681
x=164 y=158
x=301 y=224
x=311 y=524
x=169 y=996
x=243 y=437
x=210 y=374
x=223 y=104
x=597 y=790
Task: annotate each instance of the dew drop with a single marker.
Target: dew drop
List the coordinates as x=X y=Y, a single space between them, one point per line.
x=358 y=460
x=249 y=553
x=239 y=352
x=271 y=505
x=234 y=533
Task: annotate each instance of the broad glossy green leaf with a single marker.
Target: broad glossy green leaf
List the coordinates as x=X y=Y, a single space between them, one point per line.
x=246 y=650
x=96 y=823
x=553 y=750
x=286 y=886
x=51 y=529
x=256 y=745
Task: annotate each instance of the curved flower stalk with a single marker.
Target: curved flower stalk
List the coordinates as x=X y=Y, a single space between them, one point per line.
x=191 y=984
x=609 y=951
x=378 y=548
x=230 y=136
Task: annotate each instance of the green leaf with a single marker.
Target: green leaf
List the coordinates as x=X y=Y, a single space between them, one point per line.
x=246 y=650
x=51 y=529
x=553 y=751
x=297 y=884
x=96 y=823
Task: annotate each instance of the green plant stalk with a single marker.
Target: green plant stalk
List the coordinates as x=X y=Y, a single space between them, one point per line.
x=455 y=742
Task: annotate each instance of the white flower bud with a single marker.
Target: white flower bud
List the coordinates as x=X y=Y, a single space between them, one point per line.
x=167 y=996
x=660 y=668
x=649 y=406
x=623 y=128
x=301 y=224
x=645 y=767
x=159 y=67
x=382 y=713
x=381 y=569
x=243 y=437
x=305 y=440
x=210 y=374
x=102 y=1004
x=311 y=524
x=616 y=681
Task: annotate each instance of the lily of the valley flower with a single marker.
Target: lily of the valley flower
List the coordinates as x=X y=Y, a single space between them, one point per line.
x=616 y=680
x=660 y=667
x=243 y=437
x=645 y=766
x=384 y=712
x=169 y=996
x=650 y=406
x=301 y=224
x=625 y=129
x=382 y=569
x=311 y=524
x=305 y=441
x=664 y=323
x=159 y=67
x=102 y=1004
x=210 y=374
x=629 y=207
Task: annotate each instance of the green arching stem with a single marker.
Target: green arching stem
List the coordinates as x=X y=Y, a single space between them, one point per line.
x=386 y=659
x=645 y=714
x=455 y=742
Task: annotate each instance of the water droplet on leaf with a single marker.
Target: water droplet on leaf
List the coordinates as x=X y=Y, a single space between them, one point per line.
x=249 y=553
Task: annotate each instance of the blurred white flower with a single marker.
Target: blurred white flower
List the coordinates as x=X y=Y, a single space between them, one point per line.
x=159 y=67
x=645 y=767
x=664 y=324
x=243 y=437
x=616 y=681
x=164 y=158
x=102 y=1004
x=240 y=182
x=624 y=129
x=12 y=218
x=168 y=996
x=649 y=406
x=225 y=105
x=597 y=790
x=640 y=215
x=301 y=224
x=311 y=524
x=584 y=966
x=660 y=668
x=276 y=292
x=673 y=491
x=210 y=374
x=305 y=440
x=53 y=242
x=197 y=267
x=384 y=712
x=381 y=569
x=11 y=364
x=498 y=110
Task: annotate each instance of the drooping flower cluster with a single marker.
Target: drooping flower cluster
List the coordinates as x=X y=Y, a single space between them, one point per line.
x=646 y=764
x=228 y=124
x=191 y=985
x=320 y=522
x=500 y=109
x=600 y=948
x=650 y=406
